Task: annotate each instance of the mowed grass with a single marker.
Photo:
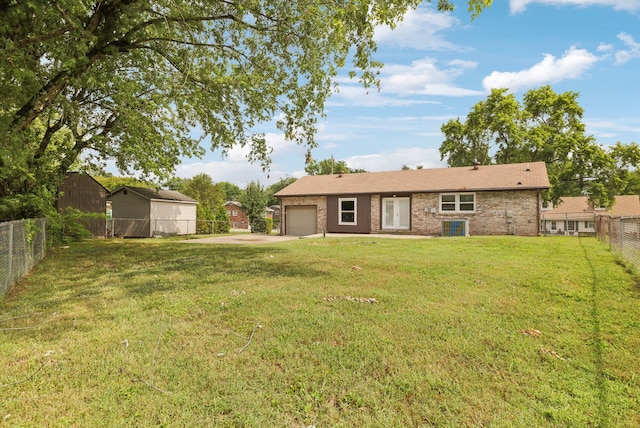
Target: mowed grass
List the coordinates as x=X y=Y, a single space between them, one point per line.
x=327 y=332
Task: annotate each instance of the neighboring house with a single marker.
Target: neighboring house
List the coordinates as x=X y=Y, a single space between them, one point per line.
x=141 y=212
x=275 y=211
x=575 y=215
x=474 y=200
x=238 y=218
x=84 y=193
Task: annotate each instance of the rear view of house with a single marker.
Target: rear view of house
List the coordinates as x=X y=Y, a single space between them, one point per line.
x=141 y=212
x=474 y=200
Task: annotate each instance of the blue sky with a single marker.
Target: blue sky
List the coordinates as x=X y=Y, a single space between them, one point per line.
x=438 y=66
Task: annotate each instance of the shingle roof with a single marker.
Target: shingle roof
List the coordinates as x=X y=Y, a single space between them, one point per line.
x=486 y=177
x=626 y=206
x=572 y=208
x=578 y=207
x=167 y=195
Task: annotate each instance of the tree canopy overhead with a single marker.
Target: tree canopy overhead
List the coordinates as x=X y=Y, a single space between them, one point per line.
x=130 y=80
x=547 y=127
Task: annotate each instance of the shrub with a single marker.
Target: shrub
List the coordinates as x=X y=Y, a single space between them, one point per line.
x=262 y=225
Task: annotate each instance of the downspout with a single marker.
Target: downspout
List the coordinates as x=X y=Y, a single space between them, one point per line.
x=539 y=210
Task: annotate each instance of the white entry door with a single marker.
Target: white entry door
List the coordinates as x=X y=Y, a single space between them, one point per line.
x=395 y=213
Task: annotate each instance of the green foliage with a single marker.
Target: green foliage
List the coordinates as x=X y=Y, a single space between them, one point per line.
x=69 y=225
x=175 y=183
x=254 y=200
x=276 y=187
x=112 y=183
x=545 y=127
x=130 y=80
x=39 y=202
x=232 y=192
x=221 y=220
x=329 y=166
x=262 y=225
x=210 y=199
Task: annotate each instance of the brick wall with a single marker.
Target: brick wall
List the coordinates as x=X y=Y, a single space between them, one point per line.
x=497 y=213
x=375 y=213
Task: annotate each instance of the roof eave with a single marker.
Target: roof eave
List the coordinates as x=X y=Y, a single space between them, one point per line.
x=487 y=189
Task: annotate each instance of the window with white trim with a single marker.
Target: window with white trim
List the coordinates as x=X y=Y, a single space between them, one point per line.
x=458 y=202
x=347 y=211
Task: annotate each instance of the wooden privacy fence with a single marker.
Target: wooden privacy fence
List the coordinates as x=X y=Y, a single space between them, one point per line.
x=22 y=246
x=622 y=235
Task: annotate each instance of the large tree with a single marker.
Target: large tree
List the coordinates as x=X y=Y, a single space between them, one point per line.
x=276 y=187
x=130 y=80
x=547 y=127
x=329 y=166
x=210 y=199
x=254 y=200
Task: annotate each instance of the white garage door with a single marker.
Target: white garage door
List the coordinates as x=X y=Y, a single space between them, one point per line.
x=301 y=220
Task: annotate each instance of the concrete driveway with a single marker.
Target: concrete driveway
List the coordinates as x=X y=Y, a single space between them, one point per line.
x=249 y=238
x=255 y=238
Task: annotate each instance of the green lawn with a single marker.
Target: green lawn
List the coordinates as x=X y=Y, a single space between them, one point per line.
x=330 y=332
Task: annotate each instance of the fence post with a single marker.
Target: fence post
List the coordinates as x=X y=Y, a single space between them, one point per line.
x=10 y=267
x=620 y=235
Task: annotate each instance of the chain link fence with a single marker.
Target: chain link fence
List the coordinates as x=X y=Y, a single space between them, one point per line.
x=622 y=235
x=22 y=246
x=146 y=228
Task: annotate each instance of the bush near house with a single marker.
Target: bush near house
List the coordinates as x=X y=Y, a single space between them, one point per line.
x=262 y=225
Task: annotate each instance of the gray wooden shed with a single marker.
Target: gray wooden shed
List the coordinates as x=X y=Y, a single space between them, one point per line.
x=144 y=212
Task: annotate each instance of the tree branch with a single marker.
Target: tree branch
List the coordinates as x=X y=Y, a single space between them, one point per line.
x=136 y=378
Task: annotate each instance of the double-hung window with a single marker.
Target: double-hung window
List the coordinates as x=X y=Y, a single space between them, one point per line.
x=347 y=211
x=458 y=202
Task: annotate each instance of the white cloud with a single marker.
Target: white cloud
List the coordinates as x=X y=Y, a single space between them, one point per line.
x=605 y=47
x=394 y=159
x=572 y=65
x=236 y=169
x=423 y=77
x=608 y=128
x=420 y=30
x=407 y=85
x=519 y=6
x=632 y=51
x=353 y=95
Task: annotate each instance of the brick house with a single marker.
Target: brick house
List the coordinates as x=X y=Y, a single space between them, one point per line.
x=238 y=218
x=474 y=200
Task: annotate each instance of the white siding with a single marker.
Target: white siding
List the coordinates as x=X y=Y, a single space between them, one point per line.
x=172 y=218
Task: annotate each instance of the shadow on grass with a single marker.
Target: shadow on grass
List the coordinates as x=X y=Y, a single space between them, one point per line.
x=87 y=269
